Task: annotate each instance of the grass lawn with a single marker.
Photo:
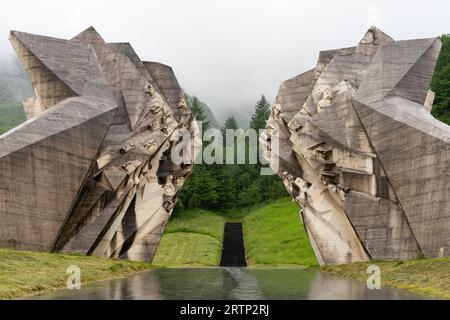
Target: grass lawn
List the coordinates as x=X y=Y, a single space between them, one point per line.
x=426 y=276
x=28 y=273
x=182 y=249
x=197 y=221
x=192 y=238
x=273 y=236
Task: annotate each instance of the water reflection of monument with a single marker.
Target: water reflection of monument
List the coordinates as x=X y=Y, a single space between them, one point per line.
x=230 y=284
x=326 y=287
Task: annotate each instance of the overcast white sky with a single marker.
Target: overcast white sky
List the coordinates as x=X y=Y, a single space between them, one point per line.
x=228 y=52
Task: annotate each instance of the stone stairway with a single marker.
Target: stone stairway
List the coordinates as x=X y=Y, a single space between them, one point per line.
x=233 y=251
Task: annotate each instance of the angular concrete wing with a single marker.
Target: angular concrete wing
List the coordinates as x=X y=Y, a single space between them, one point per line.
x=372 y=166
x=92 y=171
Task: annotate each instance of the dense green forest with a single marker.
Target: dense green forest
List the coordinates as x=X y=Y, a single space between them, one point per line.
x=222 y=187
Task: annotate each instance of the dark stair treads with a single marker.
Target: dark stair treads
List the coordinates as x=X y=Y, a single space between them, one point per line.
x=233 y=252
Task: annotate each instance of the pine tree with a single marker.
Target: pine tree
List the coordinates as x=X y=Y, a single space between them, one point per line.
x=251 y=195
x=225 y=176
x=262 y=113
x=200 y=191
x=199 y=113
x=231 y=123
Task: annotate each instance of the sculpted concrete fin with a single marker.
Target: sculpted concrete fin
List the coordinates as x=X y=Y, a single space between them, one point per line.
x=340 y=122
x=293 y=93
x=372 y=161
x=95 y=154
x=402 y=68
x=66 y=59
x=90 y=35
x=376 y=37
x=49 y=88
x=39 y=196
x=372 y=40
x=415 y=83
x=167 y=82
x=414 y=161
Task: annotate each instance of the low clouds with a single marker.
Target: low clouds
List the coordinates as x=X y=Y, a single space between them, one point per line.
x=228 y=52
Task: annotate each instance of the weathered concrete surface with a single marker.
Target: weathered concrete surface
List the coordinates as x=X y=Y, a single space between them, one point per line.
x=91 y=170
x=362 y=155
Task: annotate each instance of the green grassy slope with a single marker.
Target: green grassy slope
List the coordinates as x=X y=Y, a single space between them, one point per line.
x=273 y=236
x=192 y=238
x=27 y=273
x=182 y=249
x=197 y=221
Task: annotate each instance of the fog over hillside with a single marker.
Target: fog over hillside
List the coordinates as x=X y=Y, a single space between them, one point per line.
x=228 y=53
x=14 y=82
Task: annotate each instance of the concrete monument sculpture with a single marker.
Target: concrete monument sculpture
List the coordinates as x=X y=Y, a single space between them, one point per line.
x=91 y=170
x=361 y=154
